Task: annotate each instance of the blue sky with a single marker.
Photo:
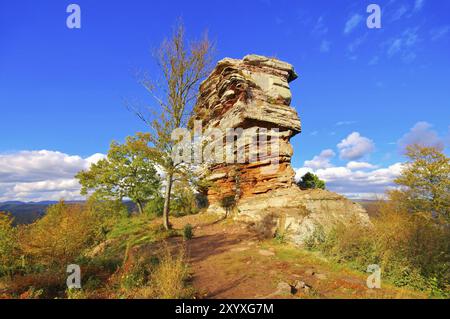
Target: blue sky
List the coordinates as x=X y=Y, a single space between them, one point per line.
x=362 y=93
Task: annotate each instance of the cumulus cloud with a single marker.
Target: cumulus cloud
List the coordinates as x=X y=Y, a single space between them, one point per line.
x=360 y=165
x=421 y=133
x=355 y=146
x=355 y=183
x=322 y=160
x=352 y=23
x=41 y=175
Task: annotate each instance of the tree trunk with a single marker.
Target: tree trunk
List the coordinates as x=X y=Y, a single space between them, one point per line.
x=140 y=207
x=166 y=211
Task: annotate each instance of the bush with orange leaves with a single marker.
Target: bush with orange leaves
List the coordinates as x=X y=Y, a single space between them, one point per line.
x=410 y=233
x=9 y=256
x=59 y=236
x=412 y=249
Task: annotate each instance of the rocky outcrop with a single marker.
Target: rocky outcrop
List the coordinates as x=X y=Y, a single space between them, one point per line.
x=297 y=214
x=247 y=103
x=253 y=95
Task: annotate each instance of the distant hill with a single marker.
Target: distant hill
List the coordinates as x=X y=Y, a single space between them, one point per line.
x=29 y=212
x=25 y=213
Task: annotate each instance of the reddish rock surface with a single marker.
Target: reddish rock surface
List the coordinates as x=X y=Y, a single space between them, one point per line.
x=252 y=94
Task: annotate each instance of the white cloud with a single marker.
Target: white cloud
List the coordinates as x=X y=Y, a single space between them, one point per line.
x=352 y=23
x=322 y=160
x=360 y=165
x=421 y=133
x=47 y=186
x=355 y=146
x=359 y=184
x=95 y=158
x=41 y=175
x=300 y=172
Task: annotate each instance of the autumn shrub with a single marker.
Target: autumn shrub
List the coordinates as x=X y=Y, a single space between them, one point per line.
x=49 y=284
x=410 y=233
x=32 y=293
x=60 y=236
x=350 y=243
x=9 y=250
x=412 y=249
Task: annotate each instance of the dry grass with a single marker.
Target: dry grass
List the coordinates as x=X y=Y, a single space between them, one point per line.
x=168 y=279
x=412 y=249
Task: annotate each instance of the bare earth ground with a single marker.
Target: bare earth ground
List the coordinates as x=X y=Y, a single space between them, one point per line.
x=228 y=261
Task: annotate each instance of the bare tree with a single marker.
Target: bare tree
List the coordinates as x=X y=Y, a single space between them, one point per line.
x=183 y=66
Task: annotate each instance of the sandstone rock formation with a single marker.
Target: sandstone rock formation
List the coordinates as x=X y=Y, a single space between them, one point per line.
x=257 y=184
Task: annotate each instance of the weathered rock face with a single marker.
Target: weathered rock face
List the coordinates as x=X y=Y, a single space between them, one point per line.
x=299 y=213
x=254 y=175
x=253 y=95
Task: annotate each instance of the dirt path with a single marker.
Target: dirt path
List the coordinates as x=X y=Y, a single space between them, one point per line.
x=228 y=261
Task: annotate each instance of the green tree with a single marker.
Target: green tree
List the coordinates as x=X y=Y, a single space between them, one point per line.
x=183 y=65
x=184 y=201
x=126 y=172
x=311 y=181
x=425 y=181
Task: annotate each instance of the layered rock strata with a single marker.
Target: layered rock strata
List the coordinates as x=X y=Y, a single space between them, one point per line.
x=247 y=103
